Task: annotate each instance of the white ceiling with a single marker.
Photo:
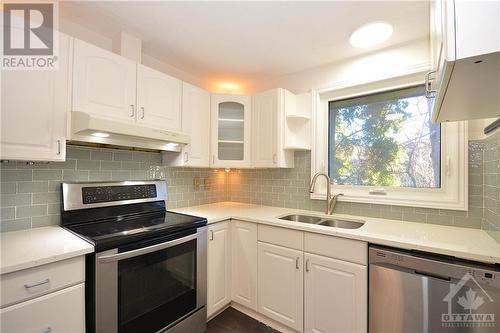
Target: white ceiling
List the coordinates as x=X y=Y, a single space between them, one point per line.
x=249 y=40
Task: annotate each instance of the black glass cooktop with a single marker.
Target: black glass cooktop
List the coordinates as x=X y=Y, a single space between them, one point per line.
x=110 y=233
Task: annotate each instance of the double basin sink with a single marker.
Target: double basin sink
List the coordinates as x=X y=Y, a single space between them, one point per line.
x=329 y=222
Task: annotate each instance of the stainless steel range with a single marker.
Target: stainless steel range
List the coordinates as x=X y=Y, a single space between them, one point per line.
x=148 y=273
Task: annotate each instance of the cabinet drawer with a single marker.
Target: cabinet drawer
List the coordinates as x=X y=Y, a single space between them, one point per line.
x=62 y=311
x=281 y=236
x=336 y=247
x=29 y=283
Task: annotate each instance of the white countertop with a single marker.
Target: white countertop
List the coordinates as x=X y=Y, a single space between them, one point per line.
x=33 y=247
x=466 y=243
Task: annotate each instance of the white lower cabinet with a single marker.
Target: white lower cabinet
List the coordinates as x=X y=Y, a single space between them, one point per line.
x=280 y=295
x=302 y=281
x=244 y=263
x=62 y=311
x=219 y=267
x=335 y=295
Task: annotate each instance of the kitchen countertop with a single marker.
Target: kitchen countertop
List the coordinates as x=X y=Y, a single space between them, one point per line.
x=33 y=247
x=465 y=243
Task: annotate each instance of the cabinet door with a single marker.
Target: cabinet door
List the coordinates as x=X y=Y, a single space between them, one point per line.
x=104 y=83
x=441 y=37
x=244 y=263
x=62 y=311
x=196 y=121
x=34 y=107
x=335 y=295
x=219 y=267
x=230 y=131
x=266 y=107
x=281 y=284
x=158 y=99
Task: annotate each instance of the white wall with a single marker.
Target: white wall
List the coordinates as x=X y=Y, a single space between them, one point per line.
x=408 y=58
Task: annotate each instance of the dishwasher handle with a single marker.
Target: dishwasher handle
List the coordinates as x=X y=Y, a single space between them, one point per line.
x=431 y=275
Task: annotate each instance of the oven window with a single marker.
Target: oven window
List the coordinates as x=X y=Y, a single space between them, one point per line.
x=157 y=288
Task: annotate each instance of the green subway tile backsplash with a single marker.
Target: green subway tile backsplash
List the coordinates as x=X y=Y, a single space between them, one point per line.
x=491 y=171
x=289 y=188
x=31 y=191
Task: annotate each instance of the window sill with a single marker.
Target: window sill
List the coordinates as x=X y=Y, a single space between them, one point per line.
x=422 y=200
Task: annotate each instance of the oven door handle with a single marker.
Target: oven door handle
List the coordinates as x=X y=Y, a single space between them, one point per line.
x=145 y=250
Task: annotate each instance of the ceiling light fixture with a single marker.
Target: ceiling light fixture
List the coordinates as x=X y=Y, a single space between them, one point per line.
x=371 y=34
x=100 y=134
x=229 y=86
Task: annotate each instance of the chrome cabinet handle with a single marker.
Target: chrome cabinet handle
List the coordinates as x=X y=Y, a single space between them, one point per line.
x=429 y=93
x=47 y=330
x=297 y=263
x=36 y=284
x=142 y=112
x=186 y=157
x=59 y=147
x=132 y=111
x=211 y=235
x=307 y=265
x=146 y=250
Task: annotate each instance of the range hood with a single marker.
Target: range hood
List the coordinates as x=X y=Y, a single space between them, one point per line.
x=87 y=128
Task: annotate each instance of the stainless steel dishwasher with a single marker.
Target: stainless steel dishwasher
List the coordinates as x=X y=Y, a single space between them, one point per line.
x=415 y=292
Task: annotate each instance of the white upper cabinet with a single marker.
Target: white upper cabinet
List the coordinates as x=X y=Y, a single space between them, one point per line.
x=34 y=106
x=158 y=99
x=230 y=125
x=268 y=121
x=196 y=123
x=104 y=83
x=465 y=49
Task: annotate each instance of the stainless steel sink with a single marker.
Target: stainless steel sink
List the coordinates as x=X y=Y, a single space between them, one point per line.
x=302 y=218
x=329 y=222
x=345 y=224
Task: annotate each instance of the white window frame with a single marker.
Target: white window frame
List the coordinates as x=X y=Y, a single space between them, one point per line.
x=452 y=194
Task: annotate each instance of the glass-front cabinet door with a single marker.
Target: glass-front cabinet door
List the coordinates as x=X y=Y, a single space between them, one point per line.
x=231 y=131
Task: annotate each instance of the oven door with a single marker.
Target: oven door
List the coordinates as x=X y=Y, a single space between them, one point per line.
x=152 y=286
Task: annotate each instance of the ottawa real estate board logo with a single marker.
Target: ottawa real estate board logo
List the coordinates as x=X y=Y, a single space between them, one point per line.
x=466 y=300
x=29 y=36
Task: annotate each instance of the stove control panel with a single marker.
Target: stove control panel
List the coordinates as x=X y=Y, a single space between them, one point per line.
x=99 y=194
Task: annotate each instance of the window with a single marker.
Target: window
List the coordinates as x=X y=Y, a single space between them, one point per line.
x=378 y=144
x=384 y=139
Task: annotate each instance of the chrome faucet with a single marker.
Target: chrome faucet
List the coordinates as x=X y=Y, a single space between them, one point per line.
x=331 y=200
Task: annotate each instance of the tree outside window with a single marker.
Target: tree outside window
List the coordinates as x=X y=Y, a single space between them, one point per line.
x=385 y=139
